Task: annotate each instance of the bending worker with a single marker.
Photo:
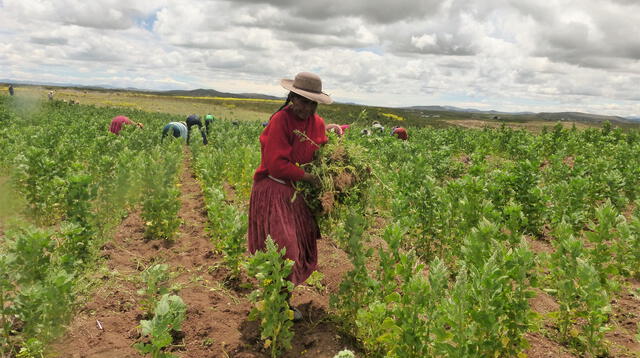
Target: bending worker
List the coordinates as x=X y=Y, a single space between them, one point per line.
x=208 y=120
x=400 y=132
x=194 y=120
x=177 y=129
x=118 y=122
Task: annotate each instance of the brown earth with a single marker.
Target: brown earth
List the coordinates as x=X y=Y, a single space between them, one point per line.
x=216 y=324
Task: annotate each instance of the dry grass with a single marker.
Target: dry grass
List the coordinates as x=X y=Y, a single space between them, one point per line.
x=221 y=108
x=532 y=126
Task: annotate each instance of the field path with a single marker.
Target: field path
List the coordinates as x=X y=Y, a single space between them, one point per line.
x=216 y=323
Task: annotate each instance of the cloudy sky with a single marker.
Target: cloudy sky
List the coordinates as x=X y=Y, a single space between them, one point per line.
x=508 y=55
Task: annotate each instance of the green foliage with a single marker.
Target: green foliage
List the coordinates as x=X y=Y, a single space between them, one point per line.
x=315 y=281
x=627 y=248
x=584 y=302
x=345 y=354
x=488 y=308
x=7 y=289
x=356 y=288
x=160 y=202
x=406 y=322
x=30 y=253
x=32 y=348
x=601 y=235
x=77 y=179
x=155 y=280
x=228 y=226
x=76 y=249
x=169 y=314
x=45 y=304
x=271 y=306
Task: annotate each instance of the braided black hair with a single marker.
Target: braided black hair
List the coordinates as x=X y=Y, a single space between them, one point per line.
x=290 y=96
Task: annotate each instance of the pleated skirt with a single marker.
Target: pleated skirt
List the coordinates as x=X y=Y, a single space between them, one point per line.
x=291 y=225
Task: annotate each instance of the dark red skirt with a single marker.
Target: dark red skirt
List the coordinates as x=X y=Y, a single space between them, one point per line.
x=290 y=224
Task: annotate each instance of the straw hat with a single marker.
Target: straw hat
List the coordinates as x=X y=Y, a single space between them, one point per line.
x=308 y=85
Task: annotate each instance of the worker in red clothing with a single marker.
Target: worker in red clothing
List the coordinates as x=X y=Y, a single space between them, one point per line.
x=119 y=121
x=292 y=136
x=400 y=132
x=338 y=129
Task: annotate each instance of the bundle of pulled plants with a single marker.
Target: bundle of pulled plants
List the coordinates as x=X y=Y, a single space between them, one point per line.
x=343 y=175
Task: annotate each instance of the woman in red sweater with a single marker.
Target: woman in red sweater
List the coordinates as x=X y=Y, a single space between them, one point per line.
x=291 y=138
x=400 y=133
x=119 y=121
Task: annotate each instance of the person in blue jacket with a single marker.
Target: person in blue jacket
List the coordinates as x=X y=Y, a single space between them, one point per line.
x=177 y=129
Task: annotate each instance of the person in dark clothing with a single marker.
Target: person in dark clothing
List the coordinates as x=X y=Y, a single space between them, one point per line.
x=208 y=120
x=11 y=90
x=194 y=120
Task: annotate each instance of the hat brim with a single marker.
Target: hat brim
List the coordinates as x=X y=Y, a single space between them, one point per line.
x=318 y=97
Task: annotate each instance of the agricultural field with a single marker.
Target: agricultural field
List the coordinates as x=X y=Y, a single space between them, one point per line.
x=243 y=109
x=467 y=240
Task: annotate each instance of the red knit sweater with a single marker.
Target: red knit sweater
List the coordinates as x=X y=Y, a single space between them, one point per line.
x=281 y=148
x=117 y=122
x=401 y=133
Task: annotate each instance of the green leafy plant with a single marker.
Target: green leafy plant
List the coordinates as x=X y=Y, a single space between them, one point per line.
x=228 y=226
x=155 y=279
x=7 y=290
x=160 y=203
x=32 y=348
x=345 y=354
x=601 y=235
x=169 y=314
x=584 y=302
x=315 y=280
x=357 y=287
x=45 y=305
x=270 y=300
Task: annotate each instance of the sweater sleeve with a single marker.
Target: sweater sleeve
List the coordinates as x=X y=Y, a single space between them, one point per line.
x=277 y=149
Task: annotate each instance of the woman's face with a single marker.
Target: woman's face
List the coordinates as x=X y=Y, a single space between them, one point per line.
x=303 y=107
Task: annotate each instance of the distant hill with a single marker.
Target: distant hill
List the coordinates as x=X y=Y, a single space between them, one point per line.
x=458 y=109
x=543 y=116
x=580 y=117
x=200 y=92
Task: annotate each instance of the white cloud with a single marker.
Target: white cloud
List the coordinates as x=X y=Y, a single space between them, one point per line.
x=498 y=54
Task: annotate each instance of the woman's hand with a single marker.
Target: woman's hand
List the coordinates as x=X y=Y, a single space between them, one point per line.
x=331 y=127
